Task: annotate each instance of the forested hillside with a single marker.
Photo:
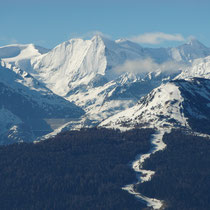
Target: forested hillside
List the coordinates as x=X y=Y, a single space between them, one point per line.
x=182 y=177
x=75 y=170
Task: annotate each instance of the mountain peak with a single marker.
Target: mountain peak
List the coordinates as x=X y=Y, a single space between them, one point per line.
x=189 y=51
x=195 y=43
x=99 y=38
x=108 y=43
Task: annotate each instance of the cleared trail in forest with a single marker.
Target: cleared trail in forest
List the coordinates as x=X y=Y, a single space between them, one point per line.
x=146 y=175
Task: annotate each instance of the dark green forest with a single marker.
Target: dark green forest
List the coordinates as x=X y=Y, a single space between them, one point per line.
x=75 y=170
x=182 y=177
x=87 y=169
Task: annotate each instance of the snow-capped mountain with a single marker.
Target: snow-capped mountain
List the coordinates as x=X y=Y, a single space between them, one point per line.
x=76 y=63
x=25 y=103
x=179 y=103
x=20 y=55
x=96 y=75
x=83 y=71
x=189 y=51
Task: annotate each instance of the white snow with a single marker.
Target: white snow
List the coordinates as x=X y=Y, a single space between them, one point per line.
x=70 y=68
x=24 y=83
x=199 y=68
x=165 y=101
x=21 y=55
x=74 y=64
x=189 y=51
x=146 y=175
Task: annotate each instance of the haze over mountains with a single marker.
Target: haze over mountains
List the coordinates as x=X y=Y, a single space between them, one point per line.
x=83 y=82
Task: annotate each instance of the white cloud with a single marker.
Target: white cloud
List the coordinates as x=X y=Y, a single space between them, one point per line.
x=137 y=66
x=148 y=65
x=156 y=38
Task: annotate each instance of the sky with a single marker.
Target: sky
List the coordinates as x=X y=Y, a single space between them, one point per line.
x=154 y=23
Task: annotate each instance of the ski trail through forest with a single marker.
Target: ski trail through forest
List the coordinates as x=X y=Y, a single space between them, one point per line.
x=146 y=175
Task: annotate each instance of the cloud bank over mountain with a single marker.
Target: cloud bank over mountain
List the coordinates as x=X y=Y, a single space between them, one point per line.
x=148 y=65
x=156 y=38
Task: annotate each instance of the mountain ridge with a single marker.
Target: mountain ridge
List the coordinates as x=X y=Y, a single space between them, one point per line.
x=84 y=72
x=178 y=103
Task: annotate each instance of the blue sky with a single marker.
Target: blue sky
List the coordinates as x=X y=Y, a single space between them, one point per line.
x=148 y=22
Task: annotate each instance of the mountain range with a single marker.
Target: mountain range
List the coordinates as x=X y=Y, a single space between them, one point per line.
x=118 y=84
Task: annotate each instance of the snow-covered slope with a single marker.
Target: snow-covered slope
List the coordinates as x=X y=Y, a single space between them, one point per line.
x=77 y=62
x=189 y=51
x=84 y=72
x=15 y=51
x=198 y=68
x=25 y=103
x=24 y=84
x=20 y=55
x=179 y=103
x=149 y=110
